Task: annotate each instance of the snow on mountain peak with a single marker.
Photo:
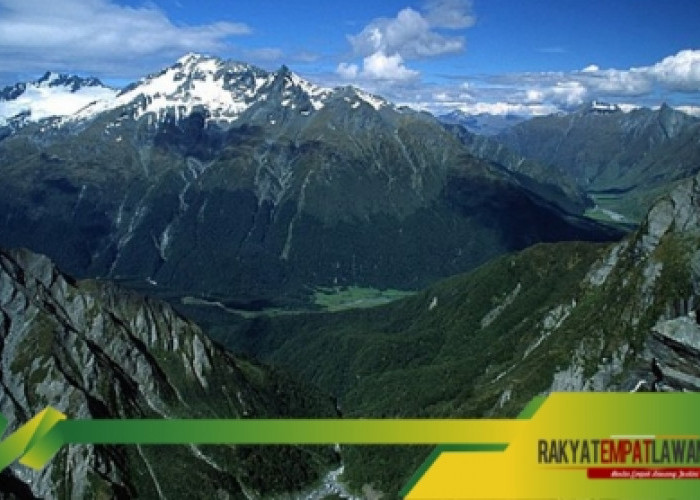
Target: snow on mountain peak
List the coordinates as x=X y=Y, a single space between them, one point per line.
x=189 y=57
x=48 y=78
x=224 y=90
x=373 y=100
x=53 y=94
x=317 y=95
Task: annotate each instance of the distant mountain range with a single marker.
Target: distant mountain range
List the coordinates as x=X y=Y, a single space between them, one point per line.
x=222 y=179
x=625 y=160
x=482 y=123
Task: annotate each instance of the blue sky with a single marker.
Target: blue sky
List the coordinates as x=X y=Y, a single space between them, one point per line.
x=533 y=56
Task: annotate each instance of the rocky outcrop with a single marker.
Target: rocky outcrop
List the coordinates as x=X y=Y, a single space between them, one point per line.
x=92 y=350
x=656 y=272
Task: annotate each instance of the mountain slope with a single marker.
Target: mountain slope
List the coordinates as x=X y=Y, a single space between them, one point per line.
x=221 y=179
x=629 y=159
x=551 y=184
x=92 y=350
x=569 y=316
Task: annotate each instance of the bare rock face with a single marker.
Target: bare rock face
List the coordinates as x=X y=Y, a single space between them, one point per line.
x=92 y=350
x=682 y=332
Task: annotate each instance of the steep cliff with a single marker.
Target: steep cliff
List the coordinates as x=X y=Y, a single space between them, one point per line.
x=93 y=350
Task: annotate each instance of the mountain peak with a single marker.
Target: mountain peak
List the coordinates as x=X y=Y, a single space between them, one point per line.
x=192 y=61
x=48 y=77
x=190 y=57
x=222 y=89
x=54 y=94
x=72 y=82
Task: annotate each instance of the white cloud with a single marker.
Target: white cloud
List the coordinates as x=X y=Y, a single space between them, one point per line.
x=98 y=36
x=451 y=14
x=378 y=66
x=566 y=94
x=568 y=90
x=348 y=70
x=386 y=43
x=675 y=79
x=690 y=110
x=409 y=34
x=508 y=108
x=616 y=82
x=678 y=72
x=499 y=108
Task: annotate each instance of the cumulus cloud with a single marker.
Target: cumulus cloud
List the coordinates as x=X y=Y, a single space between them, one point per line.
x=678 y=72
x=348 y=71
x=379 y=66
x=565 y=94
x=386 y=43
x=614 y=82
x=409 y=34
x=675 y=79
x=568 y=90
x=98 y=35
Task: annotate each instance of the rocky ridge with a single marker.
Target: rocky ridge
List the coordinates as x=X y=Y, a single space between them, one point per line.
x=92 y=350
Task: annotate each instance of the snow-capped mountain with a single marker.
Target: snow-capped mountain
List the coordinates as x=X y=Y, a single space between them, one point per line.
x=51 y=95
x=220 y=178
x=224 y=90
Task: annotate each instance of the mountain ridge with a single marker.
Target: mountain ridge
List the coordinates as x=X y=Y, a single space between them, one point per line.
x=281 y=194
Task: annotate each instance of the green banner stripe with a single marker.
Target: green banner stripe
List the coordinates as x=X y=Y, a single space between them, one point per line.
x=317 y=431
x=532 y=407
x=35 y=443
